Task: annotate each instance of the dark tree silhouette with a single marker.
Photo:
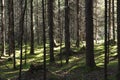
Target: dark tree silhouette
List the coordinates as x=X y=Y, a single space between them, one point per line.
x=78 y=31
x=105 y=43
x=113 y=18
x=25 y=34
x=67 y=33
x=32 y=31
x=89 y=34
x=21 y=26
x=61 y=30
x=2 y=27
x=11 y=31
x=118 y=37
x=44 y=39
x=50 y=24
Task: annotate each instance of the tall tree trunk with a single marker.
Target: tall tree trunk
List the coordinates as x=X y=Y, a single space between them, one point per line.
x=3 y=27
x=109 y=30
x=50 y=24
x=113 y=19
x=78 y=33
x=61 y=30
x=37 y=22
x=67 y=31
x=11 y=32
x=105 y=43
x=32 y=31
x=96 y=21
x=44 y=40
x=89 y=34
x=25 y=34
x=21 y=26
x=118 y=37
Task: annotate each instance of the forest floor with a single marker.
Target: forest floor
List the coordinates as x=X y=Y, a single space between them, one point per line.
x=75 y=70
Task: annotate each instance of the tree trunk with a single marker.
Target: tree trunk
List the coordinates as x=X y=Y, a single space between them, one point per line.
x=50 y=24
x=67 y=32
x=25 y=34
x=37 y=22
x=118 y=37
x=44 y=40
x=78 y=33
x=3 y=27
x=61 y=30
x=89 y=34
x=32 y=31
x=11 y=32
x=96 y=22
x=105 y=43
x=113 y=19
x=21 y=26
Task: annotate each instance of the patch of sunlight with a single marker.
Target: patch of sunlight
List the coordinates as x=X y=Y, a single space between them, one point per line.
x=101 y=56
x=25 y=69
x=99 y=41
x=11 y=72
x=31 y=60
x=100 y=64
x=73 y=59
x=99 y=47
x=17 y=53
x=99 y=59
x=57 y=48
x=115 y=46
x=17 y=61
x=114 y=54
x=39 y=55
x=39 y=51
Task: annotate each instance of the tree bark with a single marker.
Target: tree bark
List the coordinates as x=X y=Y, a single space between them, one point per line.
x=118 y=37
x=89 y=34
x=67 y=31
x=78 y=33
x=21 y=26
x=3 y=27
x=50 y=24
x=113 y=19
x=32 y=31
x=105 y=43
x=44 y=40
x=11 y=31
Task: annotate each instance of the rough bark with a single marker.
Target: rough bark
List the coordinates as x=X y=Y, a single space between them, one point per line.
x=67 y=31
x=89 y=34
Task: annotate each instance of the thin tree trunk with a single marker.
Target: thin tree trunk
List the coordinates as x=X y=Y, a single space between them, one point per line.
x=113 y=21
x=105 y=43
x=67 y=32
x=50 y=24
x=3 y=27
x=78 y=33
x=21 y=26
x=96 y=26
x=11 y=32
x=59 y=24
x=31 y=27
x=37 y=22
x=25 y=33
x=118 y=37
x=44 y=40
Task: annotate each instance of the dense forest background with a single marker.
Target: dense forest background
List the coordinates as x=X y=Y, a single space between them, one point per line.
x=59 y=39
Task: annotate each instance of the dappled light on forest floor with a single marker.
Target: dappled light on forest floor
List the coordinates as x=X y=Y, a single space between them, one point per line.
x=75 y=70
